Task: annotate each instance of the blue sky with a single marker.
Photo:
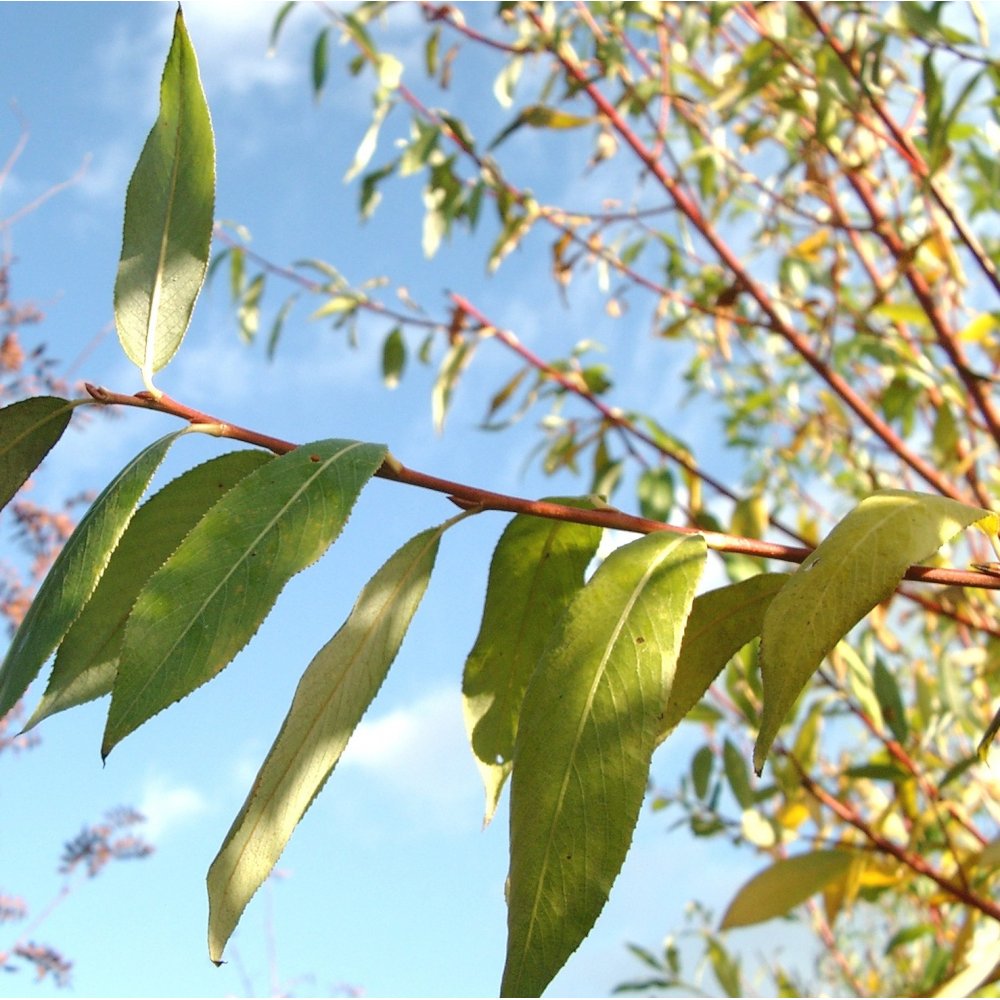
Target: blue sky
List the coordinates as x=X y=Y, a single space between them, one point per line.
x=392 y=885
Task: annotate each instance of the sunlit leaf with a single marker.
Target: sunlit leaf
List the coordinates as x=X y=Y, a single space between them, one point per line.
x=28 y=430
x=721 y=622
x=75 y=573
x=855 y=568
x=87 y=660
x=168 y=217
x=589 y=724
x=537 y=568
x=207 y=601
x=783 y=885
x=333 y=694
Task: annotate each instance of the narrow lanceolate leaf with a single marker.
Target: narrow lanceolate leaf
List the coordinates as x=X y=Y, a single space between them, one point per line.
x=168 y=217
x=331 y=698
x=537 y=568
x=75 y=573
x=589 y=723
x=87 y=660
x=721 y=623
x=28 y=430
x=208 y=599
x=784 y=885
x=855 y=568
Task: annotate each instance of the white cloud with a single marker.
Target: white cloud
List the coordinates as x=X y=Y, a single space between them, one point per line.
x=420 y=751
x=167 y=806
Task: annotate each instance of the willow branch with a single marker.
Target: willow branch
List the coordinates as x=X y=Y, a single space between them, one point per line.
x=475 y=498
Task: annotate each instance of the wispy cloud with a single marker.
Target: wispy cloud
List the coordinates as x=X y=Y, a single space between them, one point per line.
x=168 y=805
x=420 y=752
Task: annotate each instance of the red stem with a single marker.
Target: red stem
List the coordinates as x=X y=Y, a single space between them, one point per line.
x=472 y=497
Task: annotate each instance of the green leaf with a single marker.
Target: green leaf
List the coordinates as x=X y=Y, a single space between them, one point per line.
x=320 y=62
x=393 y=357
x=168 y=217
x=330 y=700
x=588 y=727
x=656 y=494
x=28 y=430
x=736 y=774
x=87 y=660
x=721 y=623
x=784 y=885
x=206 y=602
x=856 y=567
x=75 y=573
x=537 y=568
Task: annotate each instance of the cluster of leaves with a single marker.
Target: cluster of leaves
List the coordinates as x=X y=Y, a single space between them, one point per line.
x=575 y=678
x=813 y=217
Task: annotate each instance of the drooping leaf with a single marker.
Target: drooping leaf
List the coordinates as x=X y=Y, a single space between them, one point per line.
x=75 y=573
x=721 y=623
x=168 y=217
x=784 y=885
x=332 y=696
x=537 y=568
x=206 y=602
x=855 y=568
x=28 y=430
x=87 y=659
x=589 y=723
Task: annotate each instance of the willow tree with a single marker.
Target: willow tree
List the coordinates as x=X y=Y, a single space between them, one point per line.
x=801 y=198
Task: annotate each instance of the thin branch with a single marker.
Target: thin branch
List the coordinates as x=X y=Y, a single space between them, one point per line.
x=731 y=260
x=474 y=498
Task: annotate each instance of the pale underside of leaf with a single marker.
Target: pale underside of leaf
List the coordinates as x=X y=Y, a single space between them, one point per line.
x=589 y=724
x=330 y=700
x=537 y=567
x=75 y=573
x=208 y=599
x=855 y=568
x=28 y=430
x=169 y=209
x=87 y=660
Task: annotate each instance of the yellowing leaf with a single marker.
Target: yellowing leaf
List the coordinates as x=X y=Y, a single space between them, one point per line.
x=784 y=885
x=809 y=248
x=856 y=567
x=721 y=622
x=980 y=330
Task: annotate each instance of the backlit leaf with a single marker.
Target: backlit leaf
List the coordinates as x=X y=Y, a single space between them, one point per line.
x=88 y=656
x=168 y=217
x=537 y=568
x=75 y=573
x=855 y=568
x=589 y=723
x=784 y=885
x=28 y=430
x=206 y=602
x=721 y=622
x=331 y=698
